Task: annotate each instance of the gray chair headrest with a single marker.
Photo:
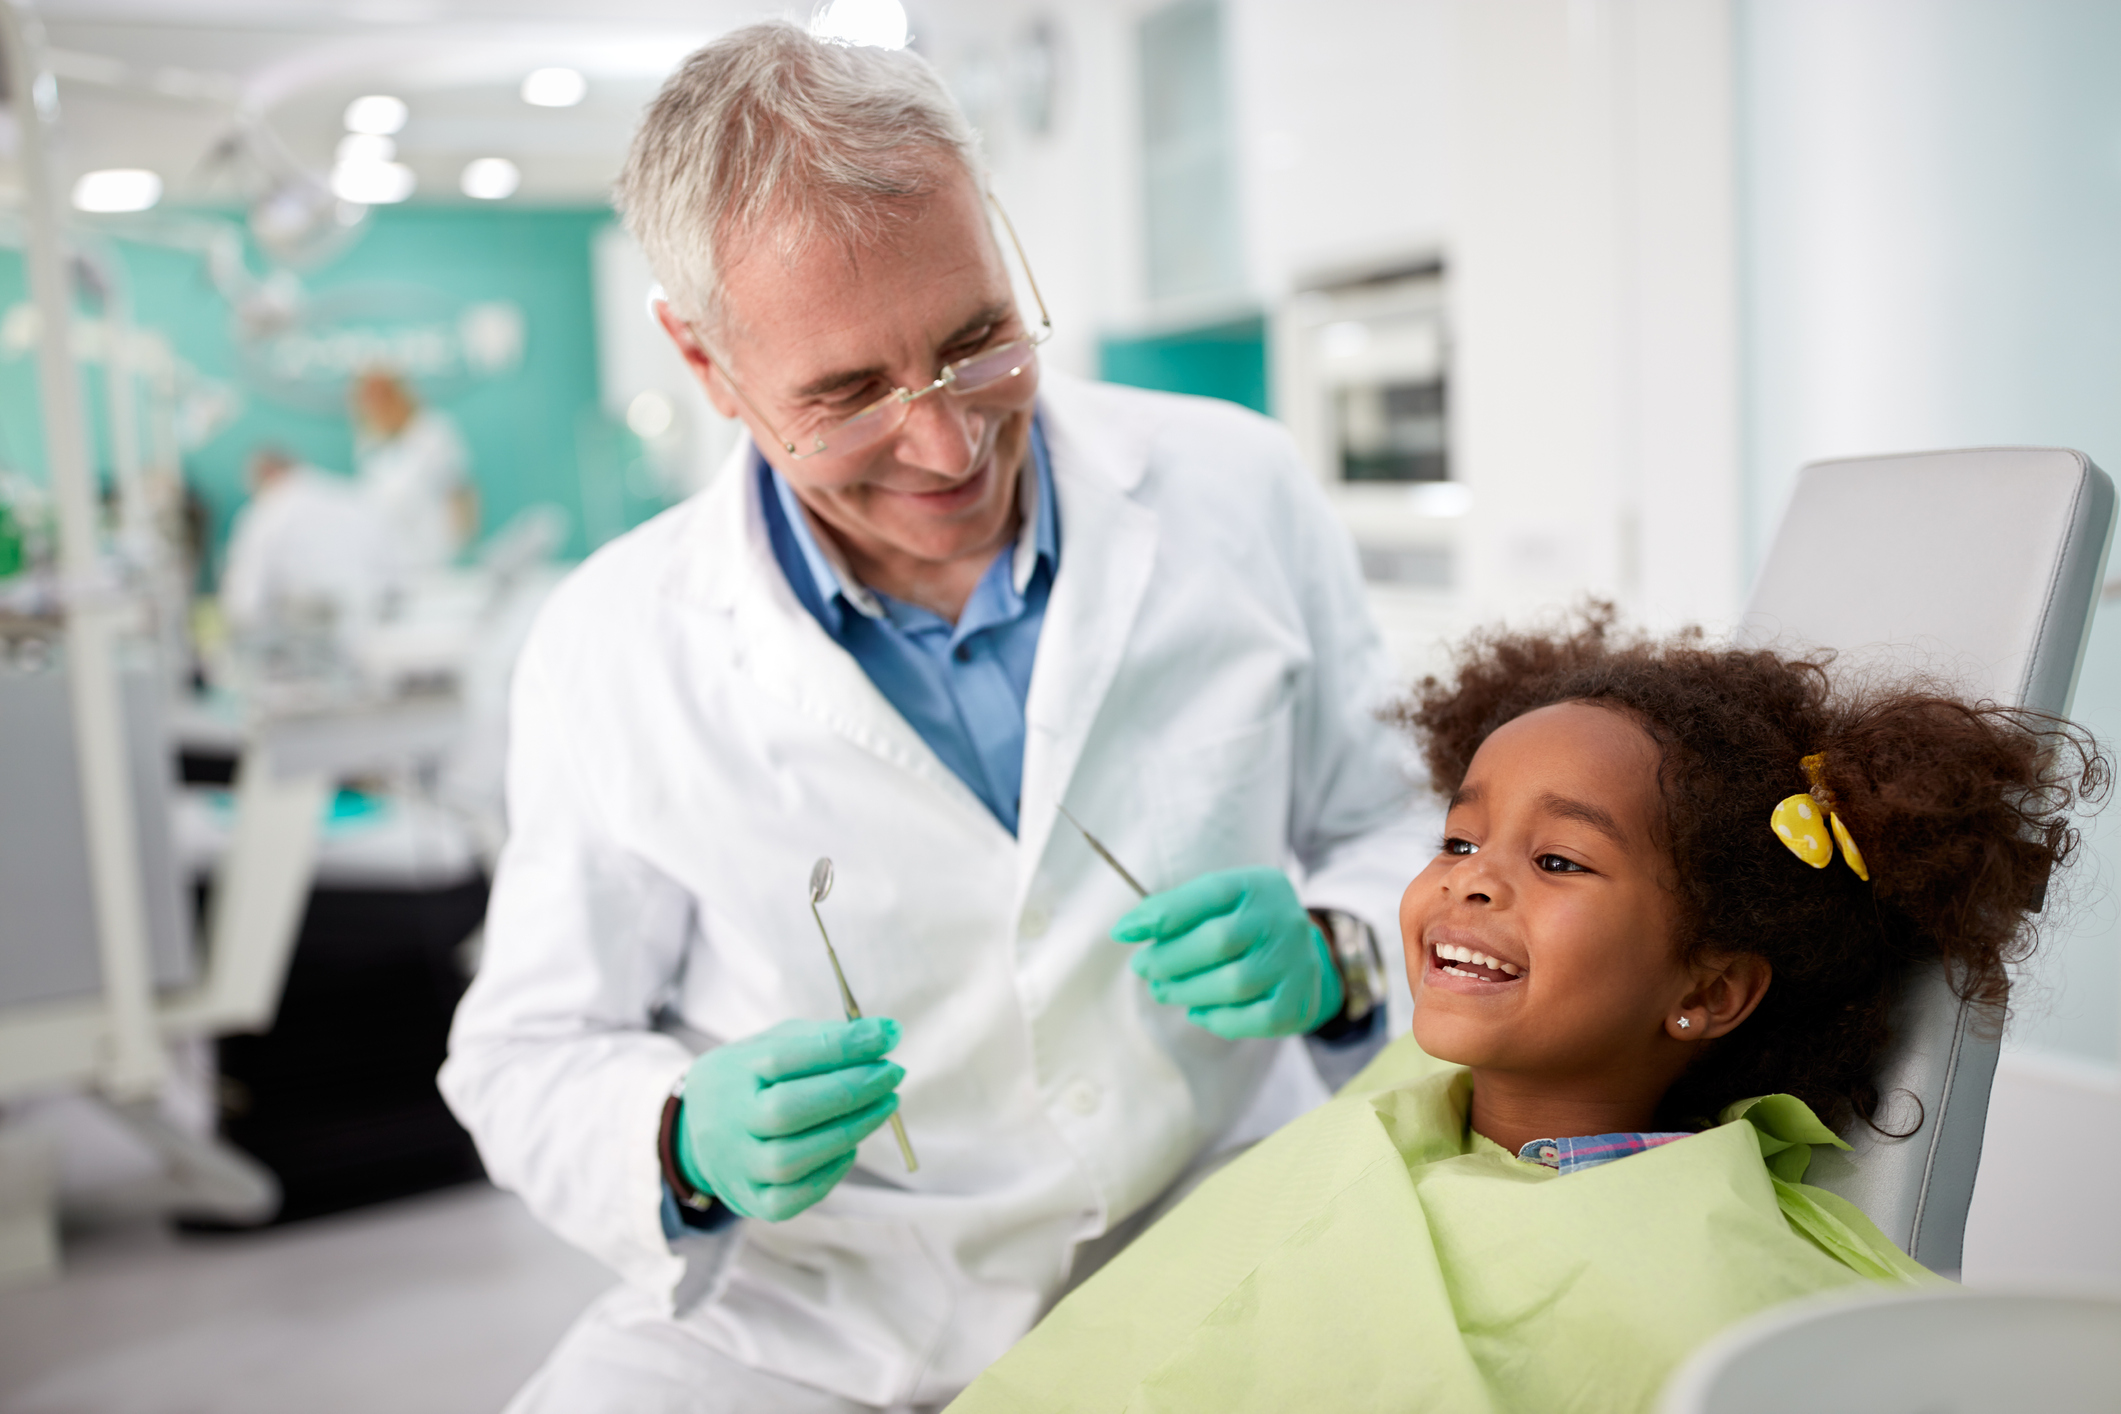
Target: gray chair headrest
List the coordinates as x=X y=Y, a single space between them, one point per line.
x=1980 y=567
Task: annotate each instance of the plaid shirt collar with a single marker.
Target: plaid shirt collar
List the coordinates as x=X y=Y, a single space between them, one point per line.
x=1588 y=1151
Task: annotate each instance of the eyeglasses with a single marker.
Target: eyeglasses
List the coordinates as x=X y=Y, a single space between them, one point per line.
x=1008 y=367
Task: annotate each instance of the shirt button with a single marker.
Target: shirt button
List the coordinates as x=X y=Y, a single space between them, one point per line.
x=1082 y=1097
x=1035 y=922
x=963 y=652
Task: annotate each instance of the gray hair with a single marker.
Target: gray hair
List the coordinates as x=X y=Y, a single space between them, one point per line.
x=770 y=125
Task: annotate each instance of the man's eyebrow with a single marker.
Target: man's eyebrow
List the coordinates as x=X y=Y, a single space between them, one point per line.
x=1597 y=818
x=985 y=318
x=1464 y=795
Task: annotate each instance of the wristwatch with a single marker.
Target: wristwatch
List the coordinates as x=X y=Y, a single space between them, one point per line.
x=1352 y=944
x=689 y=1199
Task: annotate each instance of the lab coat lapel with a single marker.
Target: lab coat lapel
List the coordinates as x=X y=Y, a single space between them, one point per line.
x=785 y=651
x=1108 y=551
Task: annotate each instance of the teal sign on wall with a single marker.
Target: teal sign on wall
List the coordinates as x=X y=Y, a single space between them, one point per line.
x=442 y=344
x=493 y=310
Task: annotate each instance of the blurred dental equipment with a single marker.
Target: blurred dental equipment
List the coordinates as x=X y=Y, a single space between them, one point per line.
x=820 y=889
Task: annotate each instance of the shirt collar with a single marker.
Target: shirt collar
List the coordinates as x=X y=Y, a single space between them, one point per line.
x=1588 y=1151
x=829 y=569
x=1038 y=536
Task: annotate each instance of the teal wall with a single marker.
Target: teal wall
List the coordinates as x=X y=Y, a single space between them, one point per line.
x=1227 y=360
x=530 y=430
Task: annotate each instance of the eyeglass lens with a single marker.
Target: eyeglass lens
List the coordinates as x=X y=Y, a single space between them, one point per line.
x=972 y=375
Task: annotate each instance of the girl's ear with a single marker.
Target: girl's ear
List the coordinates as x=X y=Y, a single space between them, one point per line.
x=1727 y=986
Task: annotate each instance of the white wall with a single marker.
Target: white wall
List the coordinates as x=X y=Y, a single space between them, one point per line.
x=1934 y=190
x=1072 y=191
x=1595 y=306
x=1933 y=199
x=2044 y=1211
x=1342 y=111
x=635 y=356
x=1572 y=161
x=1338 y=107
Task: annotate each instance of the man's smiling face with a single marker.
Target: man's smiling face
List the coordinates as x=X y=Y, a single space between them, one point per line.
x=818 y=337
x=1539 y=939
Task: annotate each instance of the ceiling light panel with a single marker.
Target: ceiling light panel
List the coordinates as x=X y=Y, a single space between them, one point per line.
x=117 y=189
x=372 y=183
x=376 y=113
x=554 y=88
x=490 y=179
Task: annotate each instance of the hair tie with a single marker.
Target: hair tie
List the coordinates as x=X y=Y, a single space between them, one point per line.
x=1798 y=819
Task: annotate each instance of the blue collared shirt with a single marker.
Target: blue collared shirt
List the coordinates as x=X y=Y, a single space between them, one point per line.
x=962 y=686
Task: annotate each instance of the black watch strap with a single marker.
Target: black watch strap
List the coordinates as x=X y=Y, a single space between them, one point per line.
x=689 y=1199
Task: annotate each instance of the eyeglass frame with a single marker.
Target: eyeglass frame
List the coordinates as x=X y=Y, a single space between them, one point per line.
x=946 y=378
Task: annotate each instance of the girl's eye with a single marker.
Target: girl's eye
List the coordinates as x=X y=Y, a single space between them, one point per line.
x=1455 y=845
x=1558 y=864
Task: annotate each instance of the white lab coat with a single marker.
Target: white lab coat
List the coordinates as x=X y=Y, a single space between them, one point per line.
x=309 y=537
x=688 y=740
x=412 y=480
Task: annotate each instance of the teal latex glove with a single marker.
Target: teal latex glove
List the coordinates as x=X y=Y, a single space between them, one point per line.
x=1237 y=950
x=769 y=1123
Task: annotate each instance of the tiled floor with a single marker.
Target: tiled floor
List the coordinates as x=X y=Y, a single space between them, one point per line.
x=436 y=1305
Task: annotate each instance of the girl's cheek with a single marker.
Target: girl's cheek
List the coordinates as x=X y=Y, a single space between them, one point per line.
x=1410 y=904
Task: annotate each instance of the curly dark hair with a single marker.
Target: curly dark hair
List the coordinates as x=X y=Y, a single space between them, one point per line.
x=1961 y=810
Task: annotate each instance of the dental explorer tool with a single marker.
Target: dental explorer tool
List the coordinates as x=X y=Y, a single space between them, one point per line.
x=1103 y=853
x=820 y=888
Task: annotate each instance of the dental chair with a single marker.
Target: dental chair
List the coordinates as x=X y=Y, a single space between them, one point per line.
x=1980 y=567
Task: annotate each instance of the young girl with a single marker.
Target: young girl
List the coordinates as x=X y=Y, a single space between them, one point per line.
x=1653 y=959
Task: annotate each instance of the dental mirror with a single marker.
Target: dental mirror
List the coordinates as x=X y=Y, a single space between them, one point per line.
x=820 y=886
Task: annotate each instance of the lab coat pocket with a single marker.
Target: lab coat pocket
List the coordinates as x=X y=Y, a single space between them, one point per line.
x=1224 y=803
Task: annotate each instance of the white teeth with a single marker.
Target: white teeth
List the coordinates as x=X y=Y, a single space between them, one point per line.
x=1455 y=953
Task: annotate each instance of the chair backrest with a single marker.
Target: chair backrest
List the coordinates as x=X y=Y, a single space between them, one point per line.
x=1927 y=1353
x=1980 y=567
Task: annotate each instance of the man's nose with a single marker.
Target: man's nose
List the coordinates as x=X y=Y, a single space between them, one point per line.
x=941 y=434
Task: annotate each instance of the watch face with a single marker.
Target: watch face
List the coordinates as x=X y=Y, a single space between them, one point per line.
x=1361 y=969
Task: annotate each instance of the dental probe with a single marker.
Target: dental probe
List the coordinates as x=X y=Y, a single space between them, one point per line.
x=1103 y=853
x=820 y=887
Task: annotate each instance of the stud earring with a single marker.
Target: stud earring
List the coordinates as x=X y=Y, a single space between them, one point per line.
x=1684 y=1024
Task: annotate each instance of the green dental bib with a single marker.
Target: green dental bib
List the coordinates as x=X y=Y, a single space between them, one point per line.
x=1377 y=1254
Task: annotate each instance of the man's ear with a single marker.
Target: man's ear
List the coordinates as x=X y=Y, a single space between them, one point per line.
x=701 y=362
x=1727 y=986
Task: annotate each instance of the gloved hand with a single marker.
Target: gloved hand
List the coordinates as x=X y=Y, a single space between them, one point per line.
x=769 y=1123
x=1238 y=952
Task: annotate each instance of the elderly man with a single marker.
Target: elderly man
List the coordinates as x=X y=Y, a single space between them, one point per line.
x=939 y=598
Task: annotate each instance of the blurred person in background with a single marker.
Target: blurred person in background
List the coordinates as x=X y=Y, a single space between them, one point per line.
x=414 y=470
x=307 y=545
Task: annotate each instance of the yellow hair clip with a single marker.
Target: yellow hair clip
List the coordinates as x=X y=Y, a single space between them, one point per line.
x=1807 y=824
